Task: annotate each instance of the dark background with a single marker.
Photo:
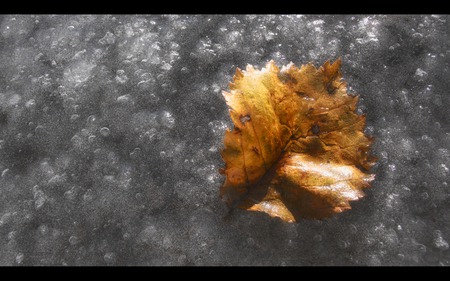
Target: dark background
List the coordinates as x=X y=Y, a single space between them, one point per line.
x=111 y=128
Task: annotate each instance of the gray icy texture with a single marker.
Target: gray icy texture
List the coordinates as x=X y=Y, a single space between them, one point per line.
x=111 y=129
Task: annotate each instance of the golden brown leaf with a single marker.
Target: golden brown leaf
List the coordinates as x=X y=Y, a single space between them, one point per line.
x=297 y=147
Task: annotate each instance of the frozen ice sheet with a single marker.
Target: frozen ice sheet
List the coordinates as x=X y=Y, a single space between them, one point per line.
x=111 y=128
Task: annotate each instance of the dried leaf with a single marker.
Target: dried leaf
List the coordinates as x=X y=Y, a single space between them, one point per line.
x=297 y=148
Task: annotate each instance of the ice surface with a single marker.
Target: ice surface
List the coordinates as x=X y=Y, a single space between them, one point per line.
x=111 y=129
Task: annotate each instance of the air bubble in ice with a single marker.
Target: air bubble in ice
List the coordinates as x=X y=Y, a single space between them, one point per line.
x=91 y=119
x=14 y=100
x=74 y=117
x=353 y=229
x=343 y=244
x=439 y=241
x=374 y=260
x=422 y=248
x=104 y=131
x=5 y=219
x=420 y=72
x=30 y=104
x=125 y=99
x=218 y=127
x=182 y=259
x=39 y=198
x=19 y=258
x=109 y=257
x=167 y=119
x=424 y=195
x=77 y=141
x=317 y=238
x=167 y=242
x=135 y=153
x=166 y=66
x=444 y=169
x=121 y=78
x=56 y=180
x=392 y=167
x=73 y=240
x=91 y=139
x=6 y=173
x=108 y=39
x=369 y=130
x=88 y=196
x=12 y=235
x=70 y=194
x=43 y=230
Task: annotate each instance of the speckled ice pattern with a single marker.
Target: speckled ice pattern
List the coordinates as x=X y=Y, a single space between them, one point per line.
x=111 y=129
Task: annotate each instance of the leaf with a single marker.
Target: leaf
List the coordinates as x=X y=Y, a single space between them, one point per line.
x=297 y=149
